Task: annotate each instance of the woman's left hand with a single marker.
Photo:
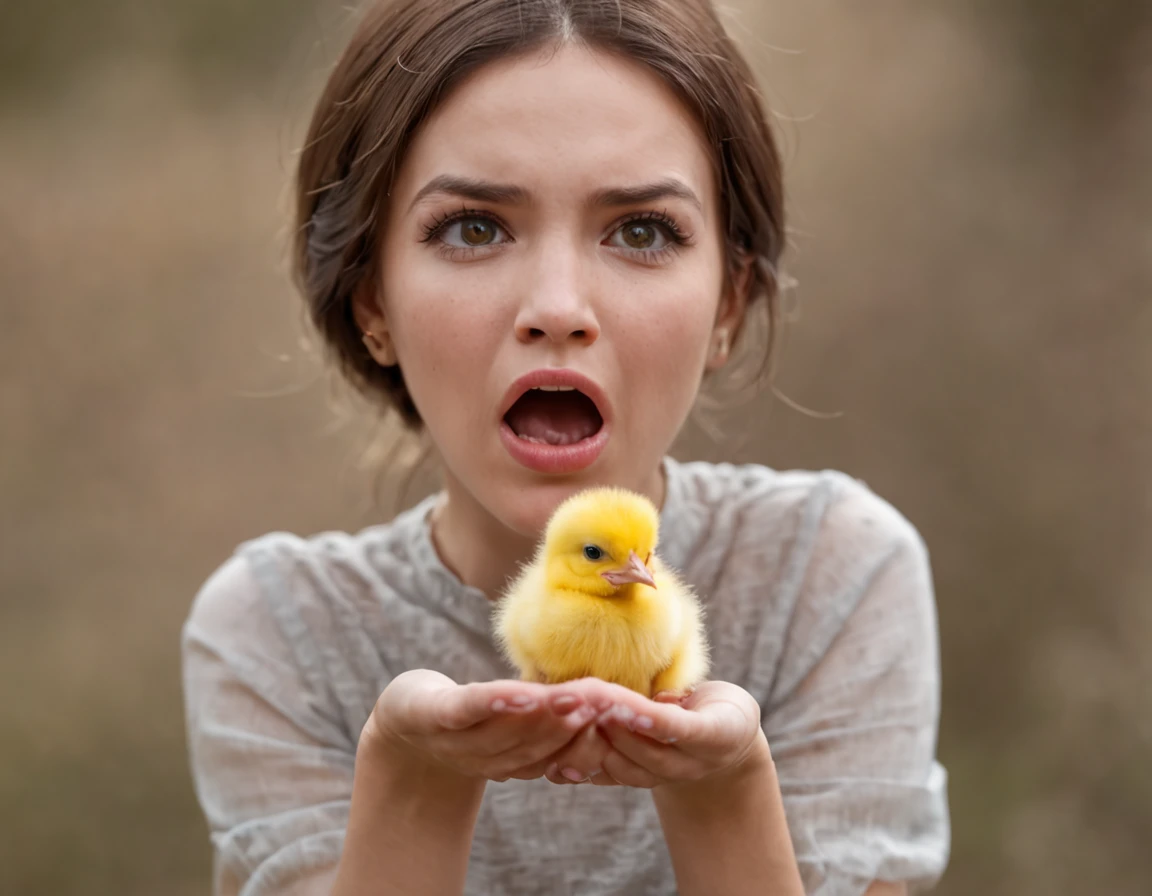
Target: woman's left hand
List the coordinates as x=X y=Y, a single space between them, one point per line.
x=639 y=742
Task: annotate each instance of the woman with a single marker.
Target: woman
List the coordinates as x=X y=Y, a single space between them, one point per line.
x=502 y=194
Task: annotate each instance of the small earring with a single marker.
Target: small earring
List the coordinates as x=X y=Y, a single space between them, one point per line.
x=374 y=342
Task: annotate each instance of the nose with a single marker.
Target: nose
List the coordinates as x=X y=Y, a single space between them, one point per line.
x=557 y=305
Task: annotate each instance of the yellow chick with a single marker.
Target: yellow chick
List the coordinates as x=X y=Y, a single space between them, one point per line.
x=597 y=601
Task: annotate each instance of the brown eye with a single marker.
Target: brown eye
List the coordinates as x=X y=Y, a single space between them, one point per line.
x=638 y=235
x=473 y=231
x=477 y=232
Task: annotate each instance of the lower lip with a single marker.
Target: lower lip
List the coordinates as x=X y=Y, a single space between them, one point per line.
x=555 y=459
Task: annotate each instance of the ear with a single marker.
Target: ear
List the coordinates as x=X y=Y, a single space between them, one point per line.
x=730 y=313
x=369 y=317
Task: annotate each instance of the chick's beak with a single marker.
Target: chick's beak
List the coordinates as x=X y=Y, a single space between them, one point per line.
x=634 y=571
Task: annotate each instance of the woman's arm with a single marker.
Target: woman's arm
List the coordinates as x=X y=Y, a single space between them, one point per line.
x=410 y=826
x=293 y=803
x=422 y=763
x=730 y=837
x=727 y=833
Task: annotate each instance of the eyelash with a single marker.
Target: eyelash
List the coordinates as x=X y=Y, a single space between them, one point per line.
x=677 y=238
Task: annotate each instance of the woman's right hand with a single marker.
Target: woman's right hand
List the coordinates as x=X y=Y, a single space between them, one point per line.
x=495 y=730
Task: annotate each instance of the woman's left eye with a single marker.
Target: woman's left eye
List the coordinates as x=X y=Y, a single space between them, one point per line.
x=471 y=233
x=641 y=235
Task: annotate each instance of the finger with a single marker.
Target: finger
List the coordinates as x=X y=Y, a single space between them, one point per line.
x=663 y=722
x=668 y=697
x=603 y=779
x=627 y=773
x=583 y=757
x=664 y=761
x=723 y=722
x=462 y=707
x=533 y=770
x=533 y=745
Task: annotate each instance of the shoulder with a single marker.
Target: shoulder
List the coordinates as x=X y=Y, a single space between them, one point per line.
x=274 y=569
x=787 y=559
x=319 y=609
x=822 y=515
x=283 y=568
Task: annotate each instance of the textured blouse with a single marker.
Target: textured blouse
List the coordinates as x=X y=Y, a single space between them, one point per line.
x=818 y=600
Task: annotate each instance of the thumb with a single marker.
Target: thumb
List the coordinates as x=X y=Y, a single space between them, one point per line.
x=419 y=695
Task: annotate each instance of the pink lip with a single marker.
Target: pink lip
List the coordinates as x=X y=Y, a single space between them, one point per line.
x=555 y=459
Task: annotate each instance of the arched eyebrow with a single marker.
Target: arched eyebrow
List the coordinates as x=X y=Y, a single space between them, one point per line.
x=668 y=188
x=470 y=188
x=509 y=194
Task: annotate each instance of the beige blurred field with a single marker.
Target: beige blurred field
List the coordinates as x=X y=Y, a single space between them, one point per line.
x=971 y=198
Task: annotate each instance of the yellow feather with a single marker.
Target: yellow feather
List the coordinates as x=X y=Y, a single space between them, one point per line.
x=562 y=619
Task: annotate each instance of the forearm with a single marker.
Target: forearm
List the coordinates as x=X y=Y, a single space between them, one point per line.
x=728 y=836
x=410 y=827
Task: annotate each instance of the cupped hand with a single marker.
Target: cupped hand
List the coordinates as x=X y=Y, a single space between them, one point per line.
x=639 y=742
x=495 y=730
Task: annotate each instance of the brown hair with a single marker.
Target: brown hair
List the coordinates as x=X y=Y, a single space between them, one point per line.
x=403 y=59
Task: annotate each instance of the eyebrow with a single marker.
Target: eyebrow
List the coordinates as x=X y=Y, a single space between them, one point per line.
x=470 y=188
x=509 y=194
x=668 y=188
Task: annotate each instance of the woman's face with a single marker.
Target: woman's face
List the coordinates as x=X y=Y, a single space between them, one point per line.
x=555 y=223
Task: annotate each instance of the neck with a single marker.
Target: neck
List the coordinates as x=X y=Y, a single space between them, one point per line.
x=479 y=549
x=475 y=546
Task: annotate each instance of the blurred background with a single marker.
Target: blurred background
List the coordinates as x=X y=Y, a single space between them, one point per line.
x=971 y=199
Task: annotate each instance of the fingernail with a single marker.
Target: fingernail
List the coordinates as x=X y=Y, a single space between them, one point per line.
x=623 y=713
x=523 y=707
x=580 y=717
x=565 y=703
x=572 y=775
x=642 y=722
x=522 y=699
x=499 y=705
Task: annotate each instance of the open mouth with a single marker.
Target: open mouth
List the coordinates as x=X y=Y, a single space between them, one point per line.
x=554 y=415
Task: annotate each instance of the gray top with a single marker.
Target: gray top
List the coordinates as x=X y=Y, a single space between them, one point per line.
x=818 y=599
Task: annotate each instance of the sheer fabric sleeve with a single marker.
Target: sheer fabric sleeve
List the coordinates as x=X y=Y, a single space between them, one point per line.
x=854 y=708
x=272 y=773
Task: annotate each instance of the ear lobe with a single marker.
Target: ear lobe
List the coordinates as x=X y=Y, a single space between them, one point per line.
x=366 y=311
x=373 y=326
x=734 y=301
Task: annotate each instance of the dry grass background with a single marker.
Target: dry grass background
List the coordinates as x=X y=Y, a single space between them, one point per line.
x=972 y=198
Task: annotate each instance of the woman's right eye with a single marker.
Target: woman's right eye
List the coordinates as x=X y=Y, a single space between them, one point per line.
x=471 y=232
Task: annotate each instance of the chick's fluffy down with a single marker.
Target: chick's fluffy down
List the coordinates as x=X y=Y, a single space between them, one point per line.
x=646 y=639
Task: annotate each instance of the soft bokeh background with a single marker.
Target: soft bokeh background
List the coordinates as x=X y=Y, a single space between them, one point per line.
x=971 y=193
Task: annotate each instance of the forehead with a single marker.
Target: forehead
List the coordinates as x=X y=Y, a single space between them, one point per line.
x=572 y=118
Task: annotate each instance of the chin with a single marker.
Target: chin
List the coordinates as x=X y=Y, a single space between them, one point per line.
x=524 y=502
x=525 y=507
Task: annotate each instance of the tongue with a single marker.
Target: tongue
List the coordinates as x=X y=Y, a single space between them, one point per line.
x=554 y=418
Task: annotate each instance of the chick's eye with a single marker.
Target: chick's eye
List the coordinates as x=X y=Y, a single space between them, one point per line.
x=592 y=552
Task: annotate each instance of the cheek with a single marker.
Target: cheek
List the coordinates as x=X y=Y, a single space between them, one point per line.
x=441 y=352
x=440 y=325
x=670 y=326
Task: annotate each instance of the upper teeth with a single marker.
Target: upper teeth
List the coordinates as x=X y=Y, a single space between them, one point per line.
x=555 y=388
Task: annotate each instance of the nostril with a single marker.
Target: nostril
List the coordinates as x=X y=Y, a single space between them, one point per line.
x=579 y=334
x=535 y=333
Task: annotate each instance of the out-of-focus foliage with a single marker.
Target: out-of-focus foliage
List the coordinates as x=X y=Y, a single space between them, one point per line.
x=971 y=200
